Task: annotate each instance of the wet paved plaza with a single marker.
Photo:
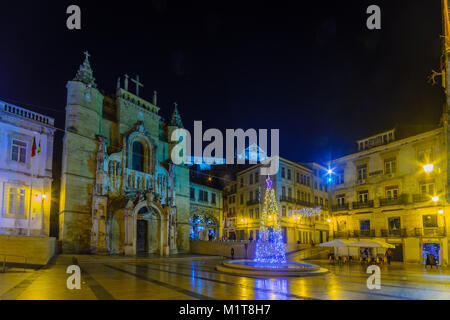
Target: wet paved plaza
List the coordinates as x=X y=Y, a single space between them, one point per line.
x=191 y=277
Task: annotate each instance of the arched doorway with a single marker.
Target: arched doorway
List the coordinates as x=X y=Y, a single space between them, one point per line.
x=142 y=236
x=148 y=230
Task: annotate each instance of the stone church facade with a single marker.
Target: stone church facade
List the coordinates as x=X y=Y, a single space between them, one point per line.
x=120 y=193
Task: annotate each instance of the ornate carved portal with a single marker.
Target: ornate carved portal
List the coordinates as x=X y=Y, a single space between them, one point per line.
x=133 y=207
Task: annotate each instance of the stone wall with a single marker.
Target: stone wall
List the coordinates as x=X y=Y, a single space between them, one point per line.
x=183 y=207
x=37 y=250
x=223 y=248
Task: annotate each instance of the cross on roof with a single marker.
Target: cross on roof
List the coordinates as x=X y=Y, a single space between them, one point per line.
x=138 y=84
x=87 y=55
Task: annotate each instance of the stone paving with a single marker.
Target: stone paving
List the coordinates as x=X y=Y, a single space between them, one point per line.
x=194 y=277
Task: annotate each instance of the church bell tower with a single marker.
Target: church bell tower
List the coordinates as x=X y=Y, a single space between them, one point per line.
x=83 y=124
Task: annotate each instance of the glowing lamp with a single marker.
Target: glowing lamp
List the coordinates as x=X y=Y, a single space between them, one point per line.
x=245 y=220
x=37 y=196
x=435 y=199
x=441 y=211
x=330 y=171
x=428 y=168
x=270 y=217
x=329 y=220
x=44 y=196
x=242 y=220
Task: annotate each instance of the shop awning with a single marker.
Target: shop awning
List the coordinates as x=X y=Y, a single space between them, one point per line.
x=337 y=243
x=371 y=244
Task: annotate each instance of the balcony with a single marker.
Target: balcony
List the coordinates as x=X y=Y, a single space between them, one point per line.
x=340 y=207
x=287 y=199
x=421 y=198
x=393 y=233
x=252 y=202
x=433 y=232
x=363 y=233
x=341 y=235
x=229 y=192
x=362 y=205
x=361 y=181
x=416 y=232
x=402 y=199
x=304 y=203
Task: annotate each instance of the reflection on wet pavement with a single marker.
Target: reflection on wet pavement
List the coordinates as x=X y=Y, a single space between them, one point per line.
x=191 y=277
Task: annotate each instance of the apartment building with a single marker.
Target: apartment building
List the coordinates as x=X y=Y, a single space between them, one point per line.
x=395 y=189
x=206 y=212
x=296 y=185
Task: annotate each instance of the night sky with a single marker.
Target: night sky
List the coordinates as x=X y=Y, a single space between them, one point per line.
x=312 y=70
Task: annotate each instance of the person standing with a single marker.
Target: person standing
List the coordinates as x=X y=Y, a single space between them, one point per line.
x=389 y=256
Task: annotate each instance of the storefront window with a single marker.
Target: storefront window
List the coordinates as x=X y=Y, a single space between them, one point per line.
x=433 y=249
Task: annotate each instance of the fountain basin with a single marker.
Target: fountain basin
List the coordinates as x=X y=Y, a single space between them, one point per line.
x=253 y=268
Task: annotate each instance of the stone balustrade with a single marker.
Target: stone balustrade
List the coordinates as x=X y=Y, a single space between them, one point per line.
x=24 y=113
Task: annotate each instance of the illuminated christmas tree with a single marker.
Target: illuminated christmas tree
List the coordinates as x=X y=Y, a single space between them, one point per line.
x=270 y=245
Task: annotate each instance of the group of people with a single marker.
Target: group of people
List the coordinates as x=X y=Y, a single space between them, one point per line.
x=366 y=255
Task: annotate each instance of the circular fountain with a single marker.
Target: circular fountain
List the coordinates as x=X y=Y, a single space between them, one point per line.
x=270 y=256
x=263 y=269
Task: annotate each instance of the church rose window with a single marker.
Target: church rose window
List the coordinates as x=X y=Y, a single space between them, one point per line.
x=138 y=156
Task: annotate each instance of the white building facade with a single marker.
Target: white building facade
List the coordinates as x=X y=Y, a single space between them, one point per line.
x=25 y=181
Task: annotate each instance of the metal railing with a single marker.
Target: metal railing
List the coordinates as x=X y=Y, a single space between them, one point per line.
x=362 y=205
x=341 y=234
x=402 y=199
x=287 y=199
x=393 y=233
x=340 y=207
x=433 y=232
x=304 y=203
x=421 y=197
x=427 y=232
x=364 y=233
